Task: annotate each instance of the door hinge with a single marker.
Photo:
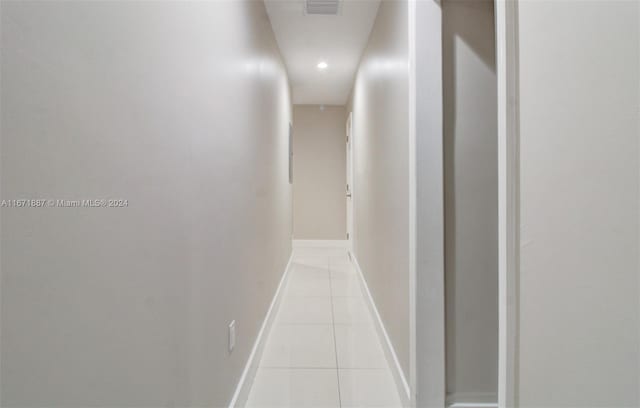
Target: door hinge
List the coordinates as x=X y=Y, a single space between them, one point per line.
x=347 y=235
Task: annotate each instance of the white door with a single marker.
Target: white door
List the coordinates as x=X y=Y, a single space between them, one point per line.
x=349 y=183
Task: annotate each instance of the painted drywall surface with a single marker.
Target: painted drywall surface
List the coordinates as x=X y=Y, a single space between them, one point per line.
x=183 y=110
x=471 y=199
x=578 y=284
x=430 y=307
x=305 y=39
x=381 y=177
x=319 y=181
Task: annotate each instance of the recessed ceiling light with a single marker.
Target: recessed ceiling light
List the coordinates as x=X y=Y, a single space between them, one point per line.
x=322 y=65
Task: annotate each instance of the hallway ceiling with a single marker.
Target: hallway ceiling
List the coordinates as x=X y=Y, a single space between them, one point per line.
x=305 y=40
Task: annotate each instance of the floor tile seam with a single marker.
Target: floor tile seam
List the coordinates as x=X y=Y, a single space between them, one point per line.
x=270 y=367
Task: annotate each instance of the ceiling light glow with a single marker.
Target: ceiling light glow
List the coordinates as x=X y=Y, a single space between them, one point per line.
x=322 y=65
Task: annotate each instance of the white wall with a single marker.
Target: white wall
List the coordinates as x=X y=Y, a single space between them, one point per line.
x=319 y=176
x=183 y=109
x=471 y=199
x=381 y=180
x=579 y=129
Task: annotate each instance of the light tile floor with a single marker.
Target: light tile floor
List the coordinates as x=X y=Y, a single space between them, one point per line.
x=323 y=349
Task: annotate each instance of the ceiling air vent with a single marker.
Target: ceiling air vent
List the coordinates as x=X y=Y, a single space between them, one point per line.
x=322 y=7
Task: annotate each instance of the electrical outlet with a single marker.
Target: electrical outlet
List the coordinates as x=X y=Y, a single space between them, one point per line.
x=232 y=335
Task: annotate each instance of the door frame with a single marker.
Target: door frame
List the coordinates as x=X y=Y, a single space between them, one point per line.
x=426 y=206
x=427 y=285
x=507 y=67
x=412 y=15
x=350 y=186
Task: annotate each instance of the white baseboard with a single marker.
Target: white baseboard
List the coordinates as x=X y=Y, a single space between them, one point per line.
x=315 y=243
x=472 y=400
x=396 y=369
x=248 y=374
x=473 y=405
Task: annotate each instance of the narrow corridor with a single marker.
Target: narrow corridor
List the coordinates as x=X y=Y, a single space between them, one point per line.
x=323 y=349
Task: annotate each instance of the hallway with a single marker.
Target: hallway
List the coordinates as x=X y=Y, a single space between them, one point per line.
x=320 y=203
x=323 y=349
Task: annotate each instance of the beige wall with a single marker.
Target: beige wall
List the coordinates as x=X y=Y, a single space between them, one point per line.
x=381 y=181
x=183 y=109
x=579 y=129
x=319 y=180
x=471 y=200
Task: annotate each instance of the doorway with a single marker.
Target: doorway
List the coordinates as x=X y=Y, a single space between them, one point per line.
x=349 y=167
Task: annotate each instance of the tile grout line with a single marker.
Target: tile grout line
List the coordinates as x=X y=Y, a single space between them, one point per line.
x=333 y=328
x=300 y=368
